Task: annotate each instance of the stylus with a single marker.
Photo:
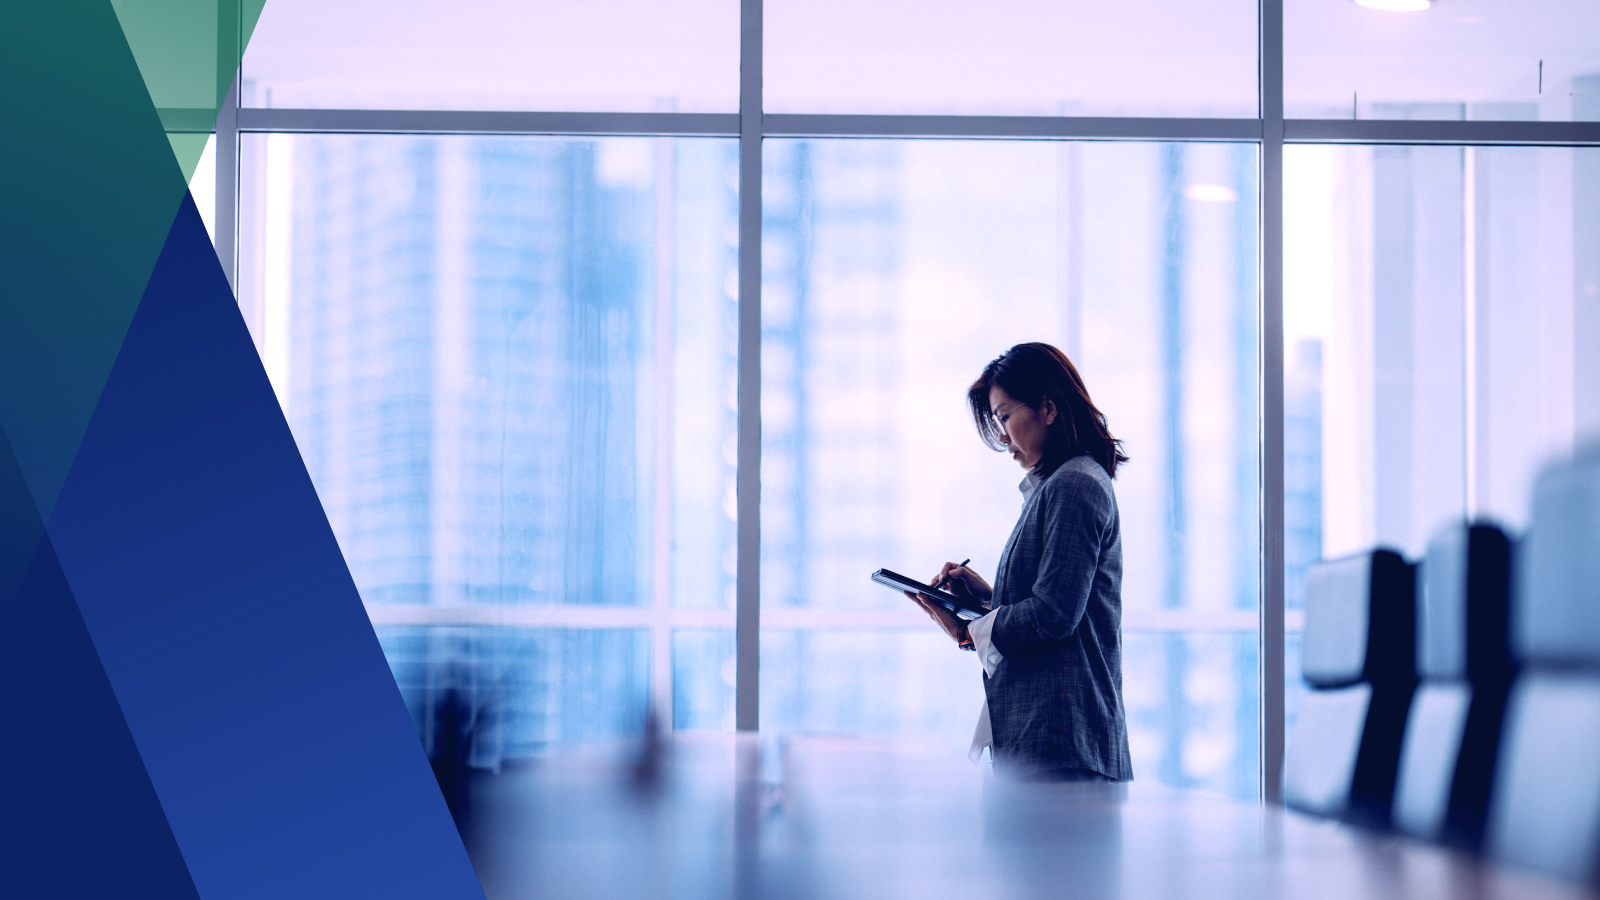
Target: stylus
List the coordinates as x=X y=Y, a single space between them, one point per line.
x=946 y=580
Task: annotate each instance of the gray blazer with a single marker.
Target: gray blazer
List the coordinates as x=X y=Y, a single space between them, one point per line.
x=1055 y=700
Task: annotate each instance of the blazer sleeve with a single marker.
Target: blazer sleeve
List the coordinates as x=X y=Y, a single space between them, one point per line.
x=1072 y=517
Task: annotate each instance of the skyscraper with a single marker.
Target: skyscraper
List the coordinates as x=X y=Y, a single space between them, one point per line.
x=470 y=321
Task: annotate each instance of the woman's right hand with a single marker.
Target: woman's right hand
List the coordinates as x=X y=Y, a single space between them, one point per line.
x=964 y=583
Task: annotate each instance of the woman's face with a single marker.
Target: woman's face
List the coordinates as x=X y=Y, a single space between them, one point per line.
x=1023 y=430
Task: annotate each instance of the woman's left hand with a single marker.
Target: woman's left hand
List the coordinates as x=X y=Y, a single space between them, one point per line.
x=945 y=619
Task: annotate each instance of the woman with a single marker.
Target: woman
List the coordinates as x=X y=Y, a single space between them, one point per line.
x=1051 y=646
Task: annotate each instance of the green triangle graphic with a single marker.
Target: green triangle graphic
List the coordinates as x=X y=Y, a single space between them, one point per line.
x=188 y=148
x=89 y=199
x=188 y=52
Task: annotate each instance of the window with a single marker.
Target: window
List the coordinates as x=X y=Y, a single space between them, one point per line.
x=493 y=262
x=496 y=55
x=894 y=270
x=1033 y=58
x=1533 y=60
x=505 y=362
x=1436 y=310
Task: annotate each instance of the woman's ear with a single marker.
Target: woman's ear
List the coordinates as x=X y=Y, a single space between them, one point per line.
x=1048 y=410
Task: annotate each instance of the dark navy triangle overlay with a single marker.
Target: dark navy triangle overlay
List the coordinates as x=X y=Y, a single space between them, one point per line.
x=228 y=624
x=80 y=816
x=20 y=528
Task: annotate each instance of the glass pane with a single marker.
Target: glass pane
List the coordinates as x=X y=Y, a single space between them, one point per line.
x=703 y=678
x=867 y=682
x=1438 y=323
x=524 y=691
x=1192 y=710
x=1034 y=58
x=894 y=271
x=505 y=362
x=1295 y=686
x=1451 y=60
x=494 y=54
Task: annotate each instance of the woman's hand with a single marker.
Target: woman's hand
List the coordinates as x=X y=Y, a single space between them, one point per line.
x=964 y=583
x=944 y=618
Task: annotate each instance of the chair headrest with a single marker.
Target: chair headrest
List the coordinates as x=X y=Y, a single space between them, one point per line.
x=1360 y=620
x=1462 y=604
x=1556 y=614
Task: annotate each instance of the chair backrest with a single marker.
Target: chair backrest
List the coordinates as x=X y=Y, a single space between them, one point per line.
x=1545 y=809
x=1463 y=608
x=1358 y=657
x=1557 y=623
x=1463 y=658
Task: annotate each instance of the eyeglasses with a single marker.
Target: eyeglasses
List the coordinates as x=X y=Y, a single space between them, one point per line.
x=1005 y=411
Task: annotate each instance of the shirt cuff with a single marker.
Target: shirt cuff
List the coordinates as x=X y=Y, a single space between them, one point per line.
x=982 y=736
x=978 y=630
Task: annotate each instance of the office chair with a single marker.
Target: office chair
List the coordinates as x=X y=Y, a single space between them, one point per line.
x=1464 y=661
x=1358 y=656
x=1545 y=806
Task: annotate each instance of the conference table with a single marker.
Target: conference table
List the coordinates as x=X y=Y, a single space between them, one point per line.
x=747 y=816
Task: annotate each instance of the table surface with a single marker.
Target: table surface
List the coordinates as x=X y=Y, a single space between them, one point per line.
x=743 y=817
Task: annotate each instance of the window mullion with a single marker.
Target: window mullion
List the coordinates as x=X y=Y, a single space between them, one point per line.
x=747 y=613
x=1272 y=520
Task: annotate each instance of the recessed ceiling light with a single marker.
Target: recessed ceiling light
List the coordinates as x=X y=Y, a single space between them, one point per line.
x=1396 y=5
x=1211 y=193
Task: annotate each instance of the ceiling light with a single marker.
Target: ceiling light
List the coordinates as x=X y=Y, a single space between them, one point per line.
x=1211 y=193
x=1396 y=5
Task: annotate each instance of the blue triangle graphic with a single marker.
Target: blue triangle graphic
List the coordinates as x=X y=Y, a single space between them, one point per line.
x=228 y=623
x=81 y=817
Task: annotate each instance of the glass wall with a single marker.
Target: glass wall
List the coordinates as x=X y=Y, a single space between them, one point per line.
x=511 y=362
x=1532 y=60
x=603 y=55
x=1167 y=57
x=1439 y=312
x=506 y=362
x=894 y=270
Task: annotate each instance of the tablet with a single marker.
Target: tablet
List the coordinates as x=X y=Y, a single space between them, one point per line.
x=966 y=610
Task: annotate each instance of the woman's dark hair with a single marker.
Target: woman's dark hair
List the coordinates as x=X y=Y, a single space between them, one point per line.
x=1032 y=374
